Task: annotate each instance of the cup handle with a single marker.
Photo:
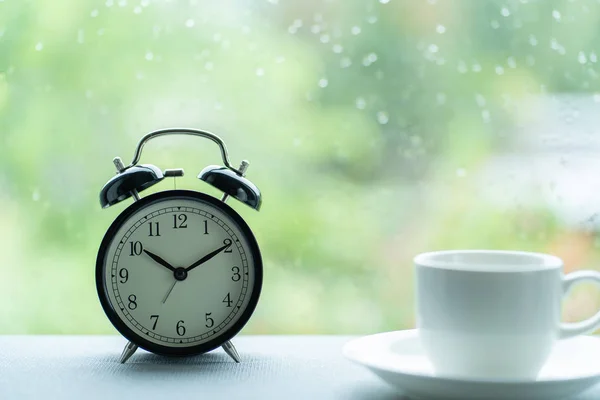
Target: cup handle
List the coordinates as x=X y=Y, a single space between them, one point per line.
x=568 y=330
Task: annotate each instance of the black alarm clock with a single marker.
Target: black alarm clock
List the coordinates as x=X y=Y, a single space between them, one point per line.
x=179 y=272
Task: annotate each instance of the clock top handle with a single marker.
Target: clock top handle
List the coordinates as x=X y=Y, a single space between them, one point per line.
x=184 y=131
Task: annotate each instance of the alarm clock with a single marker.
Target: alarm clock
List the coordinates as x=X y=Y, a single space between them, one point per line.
x=179 y=272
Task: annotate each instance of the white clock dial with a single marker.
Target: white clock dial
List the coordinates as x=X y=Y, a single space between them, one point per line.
x=179 y=272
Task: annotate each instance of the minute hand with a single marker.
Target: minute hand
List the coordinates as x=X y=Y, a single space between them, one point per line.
x=207 y=257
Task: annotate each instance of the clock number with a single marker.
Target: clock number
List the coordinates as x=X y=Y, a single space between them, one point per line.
x=124 y=274
x=136 y=248
x=154 y=229
x=227 y=242
x=155 y=321
x=179 y=221
x=180 y=328
x=206 y=227
x=227 y=300
x=236 y=274
x=209 y=321
x=132 y=302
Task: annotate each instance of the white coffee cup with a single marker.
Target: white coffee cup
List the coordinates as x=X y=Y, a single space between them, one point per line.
x=493 y=314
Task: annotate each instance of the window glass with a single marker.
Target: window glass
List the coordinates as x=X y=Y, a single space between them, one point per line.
x=375 y=129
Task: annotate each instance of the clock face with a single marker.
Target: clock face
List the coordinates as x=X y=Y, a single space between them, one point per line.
x=179 y=273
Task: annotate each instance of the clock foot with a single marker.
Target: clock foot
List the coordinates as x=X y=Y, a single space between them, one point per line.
x=231 y=351
x=128 y=351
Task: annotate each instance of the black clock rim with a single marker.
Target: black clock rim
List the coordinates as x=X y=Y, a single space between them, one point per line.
x=140 y=341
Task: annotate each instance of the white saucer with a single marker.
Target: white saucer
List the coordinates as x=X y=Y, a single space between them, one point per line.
x=398 y=359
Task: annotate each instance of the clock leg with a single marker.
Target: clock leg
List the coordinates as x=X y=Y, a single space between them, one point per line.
x=128 y=351
x=231 y=351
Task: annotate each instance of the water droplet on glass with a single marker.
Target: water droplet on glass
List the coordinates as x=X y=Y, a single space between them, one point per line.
x=440 y=98
x=109 y=3
x=512 y=63
x=480 y=100
x=581 y=58
x=432 y=48
x=94 y=13
x=382 y=117
x=279 y=59
x=505 y=12
x=149 y=56
x=476 y=67
x=462 y=67
x=499 y=70
x=355 y=30
x=495 y=24
x=137 y=10
x=597 y=97
x=324 y=38
x=273 y=1
x=323 y=82
x=440 y=29
x=122 y=3
x=316 y=28
x=35 y=195
x=593 y=57
x=260 y=72
x=461 y=172
x=372 y=19
x=360 y=103
x=556 y=15
x=39 y=46
x=345 y=62
x=533 y=40
x=208 y=66
x=530 y=60
x=337 y=48
x=217 y=37
x=80 y=36
x=190 y=23
x=384 y=1
x=144 y=3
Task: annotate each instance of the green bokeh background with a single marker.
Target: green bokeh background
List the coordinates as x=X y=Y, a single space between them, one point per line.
x=363 y=120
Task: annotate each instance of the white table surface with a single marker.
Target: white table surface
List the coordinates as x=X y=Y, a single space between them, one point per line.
x=273 y=367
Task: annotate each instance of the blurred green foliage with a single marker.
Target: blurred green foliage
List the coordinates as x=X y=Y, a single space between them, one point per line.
x=364 y=122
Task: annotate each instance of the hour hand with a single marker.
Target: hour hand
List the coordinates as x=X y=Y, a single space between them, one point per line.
x=160 y=260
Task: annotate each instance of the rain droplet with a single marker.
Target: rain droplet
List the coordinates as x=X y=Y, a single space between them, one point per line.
x=279 y=59
x=372 y=19
x=323 y=82
x=316 y=28
x=476 y=67
x=39 y=46
x=505 y=12
x=345 y=62
x=273 y=1
x=360 y=103
x=337 y=48
x=109 y=3
x=533 y=40
x=382 y=117
x=581 y=58
x=593 y=57
x=440 y=29
x=384 y=1
x=94 y=13
x=461 y=172
x=432 y=48
x=208 y=65
x=190 y=23
x=260 y=72
x=80 y=36
x=499 y=70
x=556 y=15
x=356 y=30
x=137 y=10
x=324 y=38
x=597 y=97
x=149 y=56
x=122 y=3
x=512 y=63
x=462 y=67
x=35 y=195
x=495 y=24
x=440 y=98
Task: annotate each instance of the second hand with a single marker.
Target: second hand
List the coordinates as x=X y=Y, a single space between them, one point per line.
x=169 y=292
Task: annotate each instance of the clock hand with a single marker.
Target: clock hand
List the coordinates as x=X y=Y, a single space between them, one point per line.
x=160 y=260
x=169 y=292
x=207 y=257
